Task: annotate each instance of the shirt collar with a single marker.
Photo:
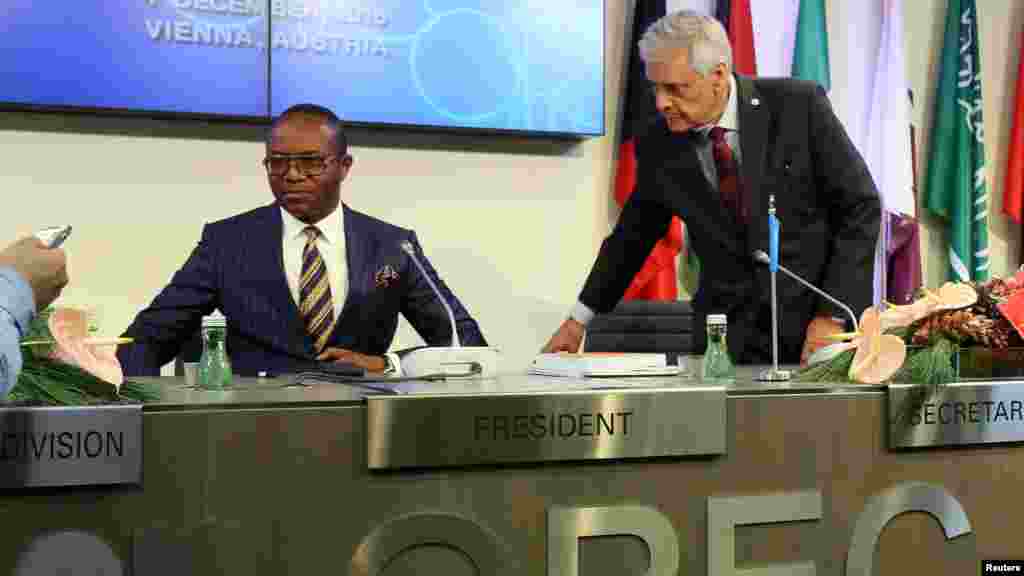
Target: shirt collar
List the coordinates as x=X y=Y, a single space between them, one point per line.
x=330 y=227
x=730 y=116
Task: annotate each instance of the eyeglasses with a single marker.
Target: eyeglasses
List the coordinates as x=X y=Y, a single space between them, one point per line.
x=305 y=164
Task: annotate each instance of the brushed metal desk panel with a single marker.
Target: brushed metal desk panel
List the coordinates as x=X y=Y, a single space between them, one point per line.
x=418 y=431
x=957 y=414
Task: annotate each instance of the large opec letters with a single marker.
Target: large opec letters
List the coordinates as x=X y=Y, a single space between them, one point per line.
x=725 y=513
x=567 y=525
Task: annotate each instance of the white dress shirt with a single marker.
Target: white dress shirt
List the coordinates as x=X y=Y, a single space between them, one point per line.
x=730 y=120
x=330 y=243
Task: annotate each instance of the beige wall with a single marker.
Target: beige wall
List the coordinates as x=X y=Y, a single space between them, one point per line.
x=512 y=226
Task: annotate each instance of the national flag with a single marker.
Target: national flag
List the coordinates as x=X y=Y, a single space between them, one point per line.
x=888 y=155
x=773 y=242
x=774 y=25
x=656 y=280
x=1013 y=190
x=956 y=187
x=810 y=55
x=903 y=249
x=735 y=16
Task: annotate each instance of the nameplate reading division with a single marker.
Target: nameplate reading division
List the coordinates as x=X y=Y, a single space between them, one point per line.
x=70 y=446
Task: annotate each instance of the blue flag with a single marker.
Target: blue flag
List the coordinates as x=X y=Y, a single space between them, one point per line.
x=773 y=243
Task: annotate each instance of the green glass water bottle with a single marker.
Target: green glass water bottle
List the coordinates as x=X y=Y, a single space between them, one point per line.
x=214 y=365
x=717 y=365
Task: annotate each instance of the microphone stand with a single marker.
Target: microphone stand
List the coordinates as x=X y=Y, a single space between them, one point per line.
x=408 y=249
x=761 y=257
x=774 y=374
x=440 y=362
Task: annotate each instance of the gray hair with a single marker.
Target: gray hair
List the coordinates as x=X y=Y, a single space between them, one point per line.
x=703 y=38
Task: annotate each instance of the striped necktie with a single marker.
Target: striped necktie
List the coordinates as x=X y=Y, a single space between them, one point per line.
x=315 y=303
x=730 y=189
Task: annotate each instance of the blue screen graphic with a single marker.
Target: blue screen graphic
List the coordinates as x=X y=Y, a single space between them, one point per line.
x=523 y=65
x=152 y=55
x=534 y=65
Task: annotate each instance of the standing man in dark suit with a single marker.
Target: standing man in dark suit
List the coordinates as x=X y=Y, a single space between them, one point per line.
x=304 y=279
x=724 y=143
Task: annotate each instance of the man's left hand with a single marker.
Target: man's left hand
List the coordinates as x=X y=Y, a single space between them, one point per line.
x=817 y=335
x=368 y=363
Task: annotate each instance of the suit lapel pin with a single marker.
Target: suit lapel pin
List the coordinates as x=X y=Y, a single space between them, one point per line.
x=755 y=102
x=385 y=276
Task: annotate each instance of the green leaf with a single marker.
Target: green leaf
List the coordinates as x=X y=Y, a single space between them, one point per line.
x=56 y=383
x=904 y=333
x=140 y=392
x=834 y=370
x=40 y=388
x=51 y=382
x=931 y=365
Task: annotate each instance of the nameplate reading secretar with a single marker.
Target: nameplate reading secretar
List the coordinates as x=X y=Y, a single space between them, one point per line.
x=963 y=413
x=424 y=431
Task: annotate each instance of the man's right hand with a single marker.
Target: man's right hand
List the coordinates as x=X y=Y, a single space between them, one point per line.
x=567 y=339
x=44 y=269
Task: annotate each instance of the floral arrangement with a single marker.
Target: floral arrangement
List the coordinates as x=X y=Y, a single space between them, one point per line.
x=65 y=365
x=916 y=343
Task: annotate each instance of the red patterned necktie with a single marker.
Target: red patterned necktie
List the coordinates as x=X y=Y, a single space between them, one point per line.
x=315 y=302
x=729 y=186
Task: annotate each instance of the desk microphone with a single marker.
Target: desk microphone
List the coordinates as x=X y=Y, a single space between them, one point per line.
x=761 y=257
x=408 y=249
x=446 y=361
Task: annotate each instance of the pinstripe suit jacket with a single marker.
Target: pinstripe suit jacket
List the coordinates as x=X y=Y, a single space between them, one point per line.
x=237 y=267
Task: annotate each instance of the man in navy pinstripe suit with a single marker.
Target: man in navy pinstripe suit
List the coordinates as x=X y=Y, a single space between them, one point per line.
x=304 y=279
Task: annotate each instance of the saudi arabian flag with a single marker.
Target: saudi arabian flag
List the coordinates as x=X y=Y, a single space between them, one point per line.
x=956 y=187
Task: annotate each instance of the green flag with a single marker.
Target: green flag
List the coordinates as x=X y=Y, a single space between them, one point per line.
x=956 y=188
x=810 y=55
